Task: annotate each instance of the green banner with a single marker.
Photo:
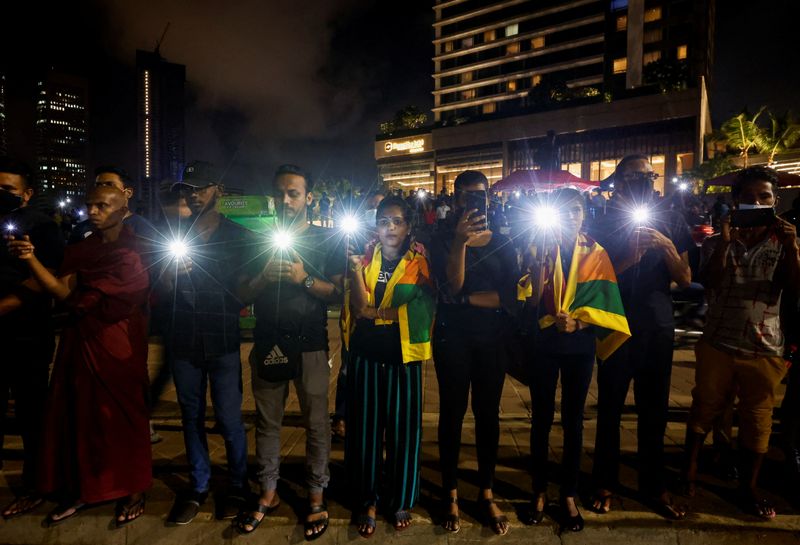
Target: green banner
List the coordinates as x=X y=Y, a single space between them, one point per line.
x=244 y=205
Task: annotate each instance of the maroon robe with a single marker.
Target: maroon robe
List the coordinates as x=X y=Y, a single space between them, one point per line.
x=96 y=443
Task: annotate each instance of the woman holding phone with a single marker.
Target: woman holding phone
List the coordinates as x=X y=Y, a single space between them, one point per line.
x=476 y=271
x=388 y=319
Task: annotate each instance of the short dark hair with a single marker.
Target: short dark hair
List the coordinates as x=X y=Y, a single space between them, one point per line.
x=13 y=166
x=113 y=169
x=565 y=195
x=753 y=174
x=470 y=177
x=296 y=171
x=629 y=159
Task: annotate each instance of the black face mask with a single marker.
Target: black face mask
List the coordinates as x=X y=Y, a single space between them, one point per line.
x=9 y=202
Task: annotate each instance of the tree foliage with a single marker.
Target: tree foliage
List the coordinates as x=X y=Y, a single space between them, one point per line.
x=408 y=117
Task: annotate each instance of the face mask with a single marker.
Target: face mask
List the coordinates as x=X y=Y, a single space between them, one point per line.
x=9 y=202
x=753 y=206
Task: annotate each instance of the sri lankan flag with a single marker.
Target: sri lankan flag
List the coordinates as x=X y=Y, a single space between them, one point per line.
x=589 y=294
x=410 y=291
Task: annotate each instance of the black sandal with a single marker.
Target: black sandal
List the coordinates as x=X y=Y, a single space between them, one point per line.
x=603 y=502
x=757 y=507
x=248 y=519
x=499 y=524
x=21 y=505
x=535 y=515
x=569 y=522
x=369 y=522
x=124 y=509
x=400 y=518
x=320 y=525
x=51 y=520
x=450 y=522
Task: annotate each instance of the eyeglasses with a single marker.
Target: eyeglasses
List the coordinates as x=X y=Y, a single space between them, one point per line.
x=641 y=176
x=386 y=222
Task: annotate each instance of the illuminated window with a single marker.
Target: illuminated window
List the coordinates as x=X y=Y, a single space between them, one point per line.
x=537 y=42
x=512 y=30
x=512 y=49
x=511 y=86
x=622 y=22
x=652 y=14
x=448 y=47
x=606 y=168
x=536 y=79
x=489 y=108
x=655 y=35
x=652 y=56
x=572 y=168
x=467 y=42
x=468 y=94
x=683 y=52
x=489 y=36
x=466 y=77
x=620 y=65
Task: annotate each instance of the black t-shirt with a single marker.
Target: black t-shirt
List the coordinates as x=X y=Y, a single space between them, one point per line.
x=289 y=309
x=33 y=319
x=493 y=267
x=378 y=343
x=645 y=287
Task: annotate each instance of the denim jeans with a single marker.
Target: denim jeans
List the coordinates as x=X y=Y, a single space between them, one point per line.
x=224 y=374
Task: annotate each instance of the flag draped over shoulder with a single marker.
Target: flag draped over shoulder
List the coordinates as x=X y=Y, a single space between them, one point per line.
x=589 y=294
x=410 y=291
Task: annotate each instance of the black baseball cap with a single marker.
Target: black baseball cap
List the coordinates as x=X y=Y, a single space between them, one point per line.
x=197 y=175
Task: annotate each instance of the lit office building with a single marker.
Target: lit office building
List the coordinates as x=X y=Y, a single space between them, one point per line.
x=62 y=133
x=161 y=131
x=569 y=84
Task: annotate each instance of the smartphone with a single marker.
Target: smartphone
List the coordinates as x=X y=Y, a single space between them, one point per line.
x=476 y=200
x=755 y=217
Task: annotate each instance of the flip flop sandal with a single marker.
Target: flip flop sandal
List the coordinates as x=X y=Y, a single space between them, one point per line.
x=320 y=525
x=32 y=503
x=400 y=518
x=124 y=510
x=369 y=522
x=758 y=508
x=50 y=521
x=454 y=521
x=247 y=519
x=603 y=500
x=499 y=523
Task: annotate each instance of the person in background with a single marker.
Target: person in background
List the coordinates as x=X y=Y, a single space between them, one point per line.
x=476 y=271
x=26 y=326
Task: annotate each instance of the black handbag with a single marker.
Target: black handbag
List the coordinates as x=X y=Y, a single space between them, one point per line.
x=278 y=361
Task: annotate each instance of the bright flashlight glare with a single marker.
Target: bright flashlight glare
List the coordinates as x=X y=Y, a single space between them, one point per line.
x=421 y=193
x=282 y=240
x=62 y=204
x=350 y=224
x=517 y=193
x=178 y=248
x=683 y=186
x=10 y=227
x=641 y=214
x=81 y=213
x=545 y=216
x=68 y=199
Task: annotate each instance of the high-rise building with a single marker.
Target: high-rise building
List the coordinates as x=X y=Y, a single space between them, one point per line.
x=3 y=141
x=62 y=133
x=569 y=84
x=160 y=123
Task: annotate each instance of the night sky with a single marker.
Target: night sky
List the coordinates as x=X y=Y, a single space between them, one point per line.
x=306 y=82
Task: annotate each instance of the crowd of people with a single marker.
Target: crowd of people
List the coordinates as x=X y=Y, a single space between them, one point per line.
x=421 y=278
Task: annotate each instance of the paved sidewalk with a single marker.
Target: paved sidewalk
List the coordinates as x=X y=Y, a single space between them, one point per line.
x=713 y=520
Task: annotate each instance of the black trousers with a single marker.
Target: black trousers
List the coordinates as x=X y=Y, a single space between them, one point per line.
x=576 y=375
x=24 y=375
x=463 y=362
x=645 y=359
x=790 y=410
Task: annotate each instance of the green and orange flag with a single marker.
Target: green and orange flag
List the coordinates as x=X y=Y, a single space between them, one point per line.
x=410 y=291
x=589 y=294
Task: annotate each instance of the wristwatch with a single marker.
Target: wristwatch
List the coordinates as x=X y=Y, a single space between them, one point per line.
x=308 y=282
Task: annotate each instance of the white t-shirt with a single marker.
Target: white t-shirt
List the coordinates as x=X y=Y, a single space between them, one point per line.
x=441 y=211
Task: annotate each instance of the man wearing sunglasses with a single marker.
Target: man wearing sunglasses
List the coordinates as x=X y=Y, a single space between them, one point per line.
x=648 y=246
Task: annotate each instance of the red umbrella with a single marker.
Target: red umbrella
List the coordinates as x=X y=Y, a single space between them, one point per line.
x=784 y=179
x=542 y=181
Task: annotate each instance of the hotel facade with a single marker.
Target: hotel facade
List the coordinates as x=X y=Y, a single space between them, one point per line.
x=573 y=85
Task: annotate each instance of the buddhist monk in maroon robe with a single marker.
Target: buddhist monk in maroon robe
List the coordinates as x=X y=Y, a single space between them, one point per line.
x=96 y=444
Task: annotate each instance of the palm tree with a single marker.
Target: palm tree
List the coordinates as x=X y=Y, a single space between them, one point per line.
x=782 y=134
x=743 y=134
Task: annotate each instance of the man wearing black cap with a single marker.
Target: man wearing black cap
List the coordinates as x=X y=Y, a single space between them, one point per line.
x=26 y=329
x=648 y=246
x=202 y=338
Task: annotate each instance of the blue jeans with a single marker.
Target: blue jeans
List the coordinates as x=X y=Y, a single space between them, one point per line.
x=191 y=382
